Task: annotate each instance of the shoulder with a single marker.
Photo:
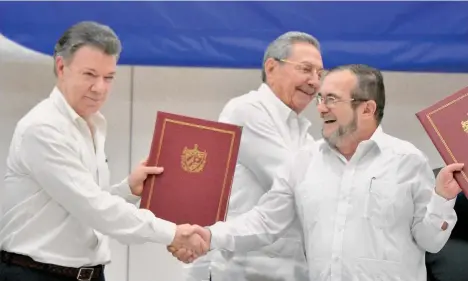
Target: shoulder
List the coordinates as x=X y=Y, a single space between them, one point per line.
x=244 y=109
x=42 y=120
x=406 y=150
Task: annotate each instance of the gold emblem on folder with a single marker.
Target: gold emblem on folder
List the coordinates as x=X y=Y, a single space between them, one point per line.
x=193 y=160
x=465 y=126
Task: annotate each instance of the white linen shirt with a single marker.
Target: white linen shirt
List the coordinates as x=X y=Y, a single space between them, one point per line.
x=369 y=218
x=271 y=133
x=57 y=203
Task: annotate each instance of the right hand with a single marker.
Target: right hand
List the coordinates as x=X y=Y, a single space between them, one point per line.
x=446 y=185
x=191 y=241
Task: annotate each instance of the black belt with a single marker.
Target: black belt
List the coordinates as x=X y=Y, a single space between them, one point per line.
x=82 y=273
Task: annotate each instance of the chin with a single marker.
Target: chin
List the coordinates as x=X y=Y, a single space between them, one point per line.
x=301 y=105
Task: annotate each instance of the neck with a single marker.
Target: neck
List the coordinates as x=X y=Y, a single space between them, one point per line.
x=348 y=145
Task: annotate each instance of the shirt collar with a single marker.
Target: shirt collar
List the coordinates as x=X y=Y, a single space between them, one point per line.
x=378 y=138
x=64 y=107
x=282 y=110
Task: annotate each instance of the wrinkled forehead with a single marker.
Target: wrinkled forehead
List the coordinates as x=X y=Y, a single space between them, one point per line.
x=339 y=84
x=306 y=54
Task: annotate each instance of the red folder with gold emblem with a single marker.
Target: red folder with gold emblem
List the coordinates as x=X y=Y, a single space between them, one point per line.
x=199 y=158
x=446 y=123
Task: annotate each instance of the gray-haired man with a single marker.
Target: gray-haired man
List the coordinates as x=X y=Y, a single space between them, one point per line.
x=273 y=129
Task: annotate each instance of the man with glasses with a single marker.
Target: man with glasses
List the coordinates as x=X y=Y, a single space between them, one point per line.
x=273 y=129
x=368 y=202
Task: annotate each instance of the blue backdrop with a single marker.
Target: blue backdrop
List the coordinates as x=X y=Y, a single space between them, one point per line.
x=401 y=36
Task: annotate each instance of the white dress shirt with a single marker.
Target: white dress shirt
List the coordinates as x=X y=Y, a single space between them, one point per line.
x=271 y=131
x=57 y=203
x=369 y=218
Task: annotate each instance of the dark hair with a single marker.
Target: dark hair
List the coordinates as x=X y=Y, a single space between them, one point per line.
x=370 y=86
x=87 y=33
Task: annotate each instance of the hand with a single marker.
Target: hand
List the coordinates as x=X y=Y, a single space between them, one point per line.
x=139 y=175
x=446 y=185
x=190 y=243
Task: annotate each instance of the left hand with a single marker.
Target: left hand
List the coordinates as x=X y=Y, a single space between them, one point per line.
x=446 y=185
x=139 y=175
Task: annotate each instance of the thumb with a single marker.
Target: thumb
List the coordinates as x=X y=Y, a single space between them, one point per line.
x=455 y=167
x=154 y=170
x=204 y=233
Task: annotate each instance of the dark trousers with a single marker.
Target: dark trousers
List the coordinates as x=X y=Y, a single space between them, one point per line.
x=450 y=263
x=10 y=272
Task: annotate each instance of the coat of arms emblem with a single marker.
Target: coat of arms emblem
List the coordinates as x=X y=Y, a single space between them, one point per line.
x=193 y=160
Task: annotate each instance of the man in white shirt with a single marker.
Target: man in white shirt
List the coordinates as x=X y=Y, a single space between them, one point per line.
x=367 y=201
x=58 y=207
x=272 y=129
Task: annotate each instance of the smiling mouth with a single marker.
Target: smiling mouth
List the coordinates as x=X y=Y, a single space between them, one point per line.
x=329 y=121
x=312 y=93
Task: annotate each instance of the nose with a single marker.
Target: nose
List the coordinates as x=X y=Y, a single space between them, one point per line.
x=322 y=108
x=314 y=81
x=99 y=85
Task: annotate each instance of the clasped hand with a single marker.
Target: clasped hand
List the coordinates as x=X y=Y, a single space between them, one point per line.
x=190 y=242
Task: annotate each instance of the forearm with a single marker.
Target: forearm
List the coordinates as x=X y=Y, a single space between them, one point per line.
x=432 y=232
x=54 y=163
x=123 y=190
x=259 y=227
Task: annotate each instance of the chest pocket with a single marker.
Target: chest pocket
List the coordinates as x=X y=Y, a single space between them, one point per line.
x=379 y=202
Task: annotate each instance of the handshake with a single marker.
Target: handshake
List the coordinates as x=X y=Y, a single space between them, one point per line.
x=190 y=242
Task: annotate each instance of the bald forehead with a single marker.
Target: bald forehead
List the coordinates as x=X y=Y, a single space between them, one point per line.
x=340 y=83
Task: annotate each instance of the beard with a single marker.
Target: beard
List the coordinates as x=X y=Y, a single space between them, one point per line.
x=343 y=131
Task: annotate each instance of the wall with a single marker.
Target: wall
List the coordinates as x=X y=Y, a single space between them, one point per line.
x=141 y=91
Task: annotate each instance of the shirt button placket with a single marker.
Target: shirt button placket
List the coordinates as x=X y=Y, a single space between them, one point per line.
x=336 y=264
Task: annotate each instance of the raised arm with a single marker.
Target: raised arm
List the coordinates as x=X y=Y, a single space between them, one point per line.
x=434 y=216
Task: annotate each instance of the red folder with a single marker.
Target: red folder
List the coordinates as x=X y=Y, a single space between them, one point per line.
x=199 y=158
x=446 y=123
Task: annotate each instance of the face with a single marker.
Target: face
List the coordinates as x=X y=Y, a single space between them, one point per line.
x=340 y=119
x=296 y=79
x=86 y=78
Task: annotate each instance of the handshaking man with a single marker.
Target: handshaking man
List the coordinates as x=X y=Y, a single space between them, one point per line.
x=367 y=201
x=59 y=208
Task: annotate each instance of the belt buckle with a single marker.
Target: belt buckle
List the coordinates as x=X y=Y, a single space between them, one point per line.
x=85 y=274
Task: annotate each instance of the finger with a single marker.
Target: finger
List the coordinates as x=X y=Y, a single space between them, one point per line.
x=171 y=249
x=455 y=167
x=153 y=170
x=184 y=255
x=204 y=233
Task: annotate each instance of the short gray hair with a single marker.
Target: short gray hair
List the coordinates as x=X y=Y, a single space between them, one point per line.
x=87 y=33
x=280 y=48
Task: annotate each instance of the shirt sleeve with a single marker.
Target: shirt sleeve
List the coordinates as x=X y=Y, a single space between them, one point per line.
x=273 y=215
x=53 y=161
x=123 y=190
x=430 y=209
x=262 y=149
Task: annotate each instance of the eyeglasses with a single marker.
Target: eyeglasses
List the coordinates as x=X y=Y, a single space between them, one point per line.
x=305 y=68
x=331 y=101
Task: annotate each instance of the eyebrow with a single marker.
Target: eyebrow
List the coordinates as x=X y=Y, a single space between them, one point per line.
x=93 y=70
x=312 y=64
x=329 y=94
